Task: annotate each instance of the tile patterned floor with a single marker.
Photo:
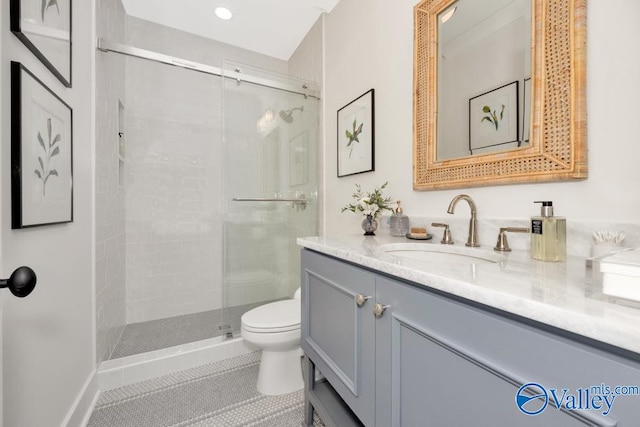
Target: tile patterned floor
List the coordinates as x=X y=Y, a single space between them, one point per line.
x=219 y=394
x=162 y=333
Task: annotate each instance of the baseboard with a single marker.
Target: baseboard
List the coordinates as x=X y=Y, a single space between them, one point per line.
x=128 y=370
x=83 y=406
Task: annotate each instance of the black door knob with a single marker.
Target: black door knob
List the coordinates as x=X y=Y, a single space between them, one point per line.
x=21 y=282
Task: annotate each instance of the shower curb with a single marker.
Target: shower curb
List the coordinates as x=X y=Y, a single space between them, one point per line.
x=141 y=367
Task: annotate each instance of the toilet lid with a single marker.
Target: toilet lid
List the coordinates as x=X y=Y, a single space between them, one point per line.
x=275 y=316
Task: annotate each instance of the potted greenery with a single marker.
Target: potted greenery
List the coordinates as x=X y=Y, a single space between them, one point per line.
x=371 y=205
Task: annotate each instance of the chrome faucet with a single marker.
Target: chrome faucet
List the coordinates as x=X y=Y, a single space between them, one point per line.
x=472 y=240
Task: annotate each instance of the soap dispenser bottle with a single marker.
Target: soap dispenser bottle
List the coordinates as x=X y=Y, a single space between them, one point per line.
x=399 y=222
x=548 y=235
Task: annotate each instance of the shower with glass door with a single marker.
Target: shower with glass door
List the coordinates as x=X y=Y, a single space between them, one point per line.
x=218 y=180
x=270 y=138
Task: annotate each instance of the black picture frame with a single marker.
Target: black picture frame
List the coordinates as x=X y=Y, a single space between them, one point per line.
x=526 y=110
x=356 y=132
x=41 y=153
x=44 y=26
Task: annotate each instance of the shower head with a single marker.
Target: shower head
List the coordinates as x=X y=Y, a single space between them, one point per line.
x=287 y=115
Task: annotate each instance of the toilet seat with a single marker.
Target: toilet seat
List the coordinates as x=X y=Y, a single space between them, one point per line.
x=279 y=316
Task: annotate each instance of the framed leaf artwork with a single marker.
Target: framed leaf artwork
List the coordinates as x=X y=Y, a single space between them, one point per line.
x=355 y=136
x=44 y=26
x=493 y=119
x=41 y=153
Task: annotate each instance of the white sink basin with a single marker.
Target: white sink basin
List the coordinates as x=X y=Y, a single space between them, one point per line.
x=431 y=252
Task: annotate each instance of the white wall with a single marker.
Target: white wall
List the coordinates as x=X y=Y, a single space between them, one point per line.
x=48 y=349
x=376 y=50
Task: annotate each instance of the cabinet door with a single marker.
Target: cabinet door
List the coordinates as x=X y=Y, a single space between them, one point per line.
x=337 y=333
x=426 y=376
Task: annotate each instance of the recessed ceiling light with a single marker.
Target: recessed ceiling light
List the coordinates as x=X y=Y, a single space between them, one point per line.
x=448 y=14
x=223 y=13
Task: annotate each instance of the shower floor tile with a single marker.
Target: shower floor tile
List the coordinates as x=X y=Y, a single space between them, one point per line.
x=154 y=335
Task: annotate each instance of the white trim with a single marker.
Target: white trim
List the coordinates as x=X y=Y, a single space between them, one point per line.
x=141 y=367
x=82 y=408
x=128 y=370
x=94 y=171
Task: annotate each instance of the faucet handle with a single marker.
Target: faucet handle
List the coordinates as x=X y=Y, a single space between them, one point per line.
x=503 y=244
x=446 y=236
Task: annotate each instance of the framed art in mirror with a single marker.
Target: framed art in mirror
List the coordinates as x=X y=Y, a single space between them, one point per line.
x=356 y=136
x=44 y=26
x=555 y=95
x=493 y=118
x=41 y=153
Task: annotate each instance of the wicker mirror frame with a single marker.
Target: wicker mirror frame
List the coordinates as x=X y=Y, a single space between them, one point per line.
x=558 y=142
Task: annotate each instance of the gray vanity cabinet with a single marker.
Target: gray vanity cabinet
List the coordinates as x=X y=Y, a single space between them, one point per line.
x=439 y=364
x=429 y=359
x=338 y=335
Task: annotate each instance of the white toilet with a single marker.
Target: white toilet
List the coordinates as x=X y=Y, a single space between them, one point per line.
x=275 y=327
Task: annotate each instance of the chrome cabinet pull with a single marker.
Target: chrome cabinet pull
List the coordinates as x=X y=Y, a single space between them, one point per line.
x=361 y=299
x=378 y=309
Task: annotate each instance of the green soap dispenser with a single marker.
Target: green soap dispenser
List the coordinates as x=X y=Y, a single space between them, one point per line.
x=548 y=235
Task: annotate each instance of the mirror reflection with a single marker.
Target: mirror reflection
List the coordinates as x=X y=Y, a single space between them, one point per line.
x=484 y=70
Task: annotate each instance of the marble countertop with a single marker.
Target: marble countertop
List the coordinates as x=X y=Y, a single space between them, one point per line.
x=558 y=294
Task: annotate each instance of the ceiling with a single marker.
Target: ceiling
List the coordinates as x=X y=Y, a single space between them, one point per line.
x=270 y=27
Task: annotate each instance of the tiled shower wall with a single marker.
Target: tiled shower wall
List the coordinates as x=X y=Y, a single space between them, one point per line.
x=110 y=215
x=174 y=186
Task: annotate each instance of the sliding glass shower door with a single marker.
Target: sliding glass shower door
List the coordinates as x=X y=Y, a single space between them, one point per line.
x=270 y=134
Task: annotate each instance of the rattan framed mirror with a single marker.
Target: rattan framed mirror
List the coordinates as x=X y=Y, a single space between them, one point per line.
x=557 y=148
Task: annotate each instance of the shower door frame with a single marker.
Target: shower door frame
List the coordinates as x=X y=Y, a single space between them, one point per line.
x=107 y=46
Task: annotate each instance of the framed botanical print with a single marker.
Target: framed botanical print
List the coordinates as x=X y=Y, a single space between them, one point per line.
x=493 y=118
x=41 y=153
x=355 y=136
x=44 y=26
